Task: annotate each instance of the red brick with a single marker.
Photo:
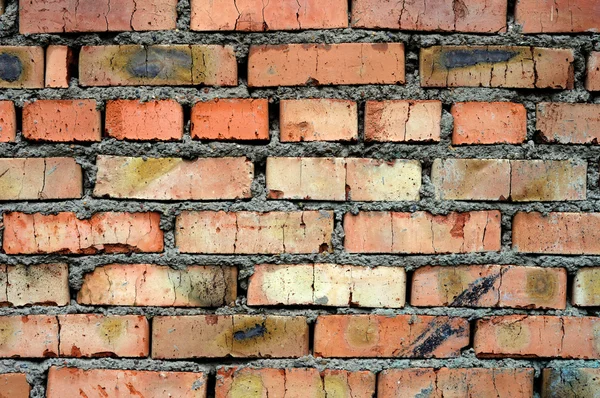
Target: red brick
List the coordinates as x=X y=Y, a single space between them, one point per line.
x=58 y=16
x=162 y=286
x=445 y=382
x=569 y=382
x=14 y=385
x=496 y=66
x=23 y=67
x=62 y=121
x=78 y=383
x=403 y=121
x=488 y=123
x=557 y=16
x=294 y=383
x=58 y=66
x=231 y=119
x=144 y=121
x=403 y=336
x=556 y=233
x=157 y=65
x=533 y=336
x=258 y=16
x=40 y=179
x=65 y=233
x=489 y=286
x=238 y=336
x=568 y=123
x=173 y=178
x=325 y=64
x=328 y=285
x=318 y=119
x=8 y=121
x=249 y=232
x=29 y=336
x=586 y=287
x=592 y=78
x=44 y=284
x=421 y=232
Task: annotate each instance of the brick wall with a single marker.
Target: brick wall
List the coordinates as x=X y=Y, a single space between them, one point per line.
x=299 y=198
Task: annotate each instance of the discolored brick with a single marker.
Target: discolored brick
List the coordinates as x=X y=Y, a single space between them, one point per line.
x=21 y=67
x=564 y=123
x=403 y=121
x=28 y=336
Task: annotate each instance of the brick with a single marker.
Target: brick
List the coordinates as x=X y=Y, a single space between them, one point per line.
x=548 y=180
x=14 y=385
x=62 y=121
x=568 y=123
x=173 y=178
x=58 y=66
x=327 y=285
x=421 y=232
x=64 y=233
x=44 y=284
x=21 y=67
x=325 y=64
x=154 y=285
x=592 y=78
x=40 y=179
x=257 y=16
x=570 y=382
x=231 y=119
x=238 y=336
x=473 y=16
x=247 y=232
x=498 y=286
x=489 y=123
x=402 y=336
x=560 y=16
x=556 y=233
x=403 y=121
x=144 y=121
x=445 y=382
x=28 y=336
x=293 y=383
x=496 y=66
x=90 y=335
x=77 y=383
x=60 y=16
x=537 y=336
x=318 y=119
x=157 y=65
x=8 y=121
x=586 y=287
x=378 y=180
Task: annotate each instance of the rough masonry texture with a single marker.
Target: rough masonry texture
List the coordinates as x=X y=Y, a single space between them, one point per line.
x=299 y=198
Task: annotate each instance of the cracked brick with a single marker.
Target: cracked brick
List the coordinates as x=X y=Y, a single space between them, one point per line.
x=564 y=123
x=557 y=16
x=403 y=121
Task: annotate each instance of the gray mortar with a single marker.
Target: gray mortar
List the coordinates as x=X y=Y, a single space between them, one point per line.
x=85 y=154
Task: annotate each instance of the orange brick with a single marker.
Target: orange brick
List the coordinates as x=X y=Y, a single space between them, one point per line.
x=77 y=383
x=444 y=15
x=40 y=179
x=403 y=336
x=238 y=336
x=153 y=285
x=231 y=119
x=62 y=121
x=29 y=336
x=318 y=119
x=144 y=121
x=489 y=286
x=475 y=382
x=170 y=65
x=66 y=234
x=258 y=16
x=22 y=67
x=328 y=285
x=294 y=383
x=58 y=66
x=556 y=233
x=568 y=123
x=403 y=121
x=249 y=232
x=319 y=64
x=421 y=232
x=592 y=78
x=173 y=178
x=58 y=16
x=44 y=284
x=496 y=66
x=8 y=121
x=14 y=385
x=570 y=382
x=526 y=336
x=586 y=287
x=560 y=16
x=488 y=123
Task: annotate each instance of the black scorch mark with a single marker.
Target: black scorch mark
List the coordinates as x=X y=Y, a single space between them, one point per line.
x=433 y=336
x=150 y=62
x=460 y=58
x=11 y=67
x=474 y=291
x=257 y=330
